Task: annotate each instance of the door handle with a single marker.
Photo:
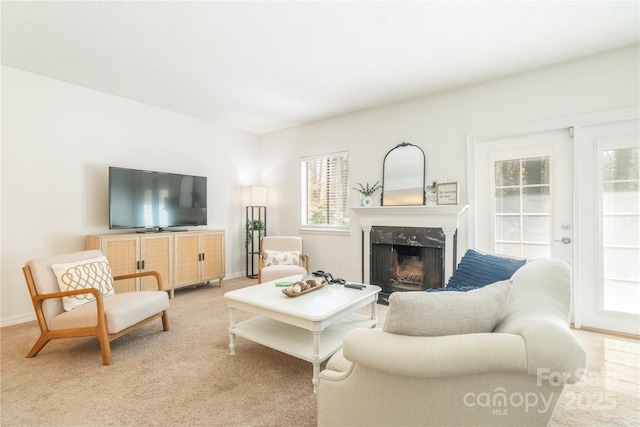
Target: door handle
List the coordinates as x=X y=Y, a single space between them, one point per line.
x=564 y=240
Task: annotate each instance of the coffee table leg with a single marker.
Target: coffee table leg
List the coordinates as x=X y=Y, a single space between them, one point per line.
x=374 y=310
x=232 y=336
x=316 y=360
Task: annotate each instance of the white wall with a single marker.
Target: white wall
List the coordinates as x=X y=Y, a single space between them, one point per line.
x=58 y=140
x=439 y=125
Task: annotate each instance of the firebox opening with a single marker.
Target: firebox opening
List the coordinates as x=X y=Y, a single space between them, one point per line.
x=407 y=268
x=406 y=259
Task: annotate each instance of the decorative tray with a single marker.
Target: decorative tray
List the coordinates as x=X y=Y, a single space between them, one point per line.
x=290 y=290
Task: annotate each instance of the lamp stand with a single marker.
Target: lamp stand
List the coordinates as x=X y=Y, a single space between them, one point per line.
x=256 y=228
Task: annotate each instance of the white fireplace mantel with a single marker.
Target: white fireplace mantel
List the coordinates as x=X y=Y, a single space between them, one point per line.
x=445 y=217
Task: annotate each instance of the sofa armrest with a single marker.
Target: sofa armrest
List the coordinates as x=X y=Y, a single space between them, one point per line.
x=442 y=356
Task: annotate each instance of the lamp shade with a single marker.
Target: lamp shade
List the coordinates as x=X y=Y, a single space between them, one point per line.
x=257 y=196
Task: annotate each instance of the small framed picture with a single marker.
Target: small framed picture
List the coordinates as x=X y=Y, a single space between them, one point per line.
x=447 y=193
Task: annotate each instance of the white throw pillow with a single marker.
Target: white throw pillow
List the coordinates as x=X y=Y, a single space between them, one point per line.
x=447 y=313
x=280 y=258
x=88 y=273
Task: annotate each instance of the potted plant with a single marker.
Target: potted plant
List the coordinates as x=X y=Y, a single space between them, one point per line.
x=366 y=191
x=251 y=227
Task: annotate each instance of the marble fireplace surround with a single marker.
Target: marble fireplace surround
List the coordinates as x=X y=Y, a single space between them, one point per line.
x=446 y=218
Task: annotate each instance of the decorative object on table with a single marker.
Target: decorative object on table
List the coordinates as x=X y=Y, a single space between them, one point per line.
x=403 y=181
x=432 y=193
x=447 y=193
x=284 y=284
x=328 y=277
x=255 y=226
x=366 y=192
x=304 y=287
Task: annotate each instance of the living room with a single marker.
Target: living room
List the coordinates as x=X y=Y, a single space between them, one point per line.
x=60 y=137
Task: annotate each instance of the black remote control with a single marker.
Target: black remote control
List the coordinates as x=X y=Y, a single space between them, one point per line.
x=354 y=286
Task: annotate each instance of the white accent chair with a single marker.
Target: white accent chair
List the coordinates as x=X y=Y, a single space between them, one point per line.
x=281 y=256
x=106 y=317
x=512 y=376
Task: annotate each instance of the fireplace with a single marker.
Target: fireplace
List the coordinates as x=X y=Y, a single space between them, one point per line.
x=406 y=259
x=435 y=249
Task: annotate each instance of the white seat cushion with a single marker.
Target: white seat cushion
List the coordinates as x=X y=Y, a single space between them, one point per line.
x=274 y=272
x=121 y=311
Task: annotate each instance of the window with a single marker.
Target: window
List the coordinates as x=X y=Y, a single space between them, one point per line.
x=620 y=232
x=522 y=203
x=325 y=186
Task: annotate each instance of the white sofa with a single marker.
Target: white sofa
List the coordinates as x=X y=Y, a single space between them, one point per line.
x=511 y=376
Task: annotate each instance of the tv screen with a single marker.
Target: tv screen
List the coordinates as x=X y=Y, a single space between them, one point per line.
x=155 y=200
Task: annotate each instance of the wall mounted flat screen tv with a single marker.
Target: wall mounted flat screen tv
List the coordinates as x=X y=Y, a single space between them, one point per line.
x=155 y=200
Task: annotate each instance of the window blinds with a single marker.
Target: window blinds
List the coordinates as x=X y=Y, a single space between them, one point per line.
x=325 y=186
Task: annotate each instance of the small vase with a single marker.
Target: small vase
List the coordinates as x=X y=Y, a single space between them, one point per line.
x=432 y=194
x=366 y=201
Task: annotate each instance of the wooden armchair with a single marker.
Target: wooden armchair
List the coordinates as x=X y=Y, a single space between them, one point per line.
x=99 y=312
x=281 y=256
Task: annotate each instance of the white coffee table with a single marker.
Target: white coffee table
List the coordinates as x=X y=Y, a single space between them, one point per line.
x=295 y=325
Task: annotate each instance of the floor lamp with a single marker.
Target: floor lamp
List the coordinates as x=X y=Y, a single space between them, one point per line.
x=255 y=227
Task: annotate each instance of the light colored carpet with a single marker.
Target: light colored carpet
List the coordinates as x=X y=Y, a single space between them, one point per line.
x=187 y=376
x=608 y=394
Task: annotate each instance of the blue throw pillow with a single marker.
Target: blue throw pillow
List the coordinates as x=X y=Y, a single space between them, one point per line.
x=477 y=270
x=453 y=288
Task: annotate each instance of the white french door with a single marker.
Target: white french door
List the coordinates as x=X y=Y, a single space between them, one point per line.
x=546 y=193
x=608 y=295
x=524 y=204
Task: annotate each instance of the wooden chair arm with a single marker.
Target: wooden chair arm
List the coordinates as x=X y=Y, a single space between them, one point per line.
x=141 y=274
x=96 y=293
x=305 y=258
x=260 y=255
x=38 y=300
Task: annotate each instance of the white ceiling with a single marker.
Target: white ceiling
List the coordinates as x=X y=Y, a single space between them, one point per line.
x=264 y=66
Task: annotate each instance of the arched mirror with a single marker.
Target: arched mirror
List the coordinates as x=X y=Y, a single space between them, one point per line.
x=403 y=176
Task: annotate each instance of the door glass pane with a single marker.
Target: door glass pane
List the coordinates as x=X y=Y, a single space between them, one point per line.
x=535 y=171
x=620 y=230
x=508 y=228
x=507 y=248
x=536 y=229
x=536 y=199
x=535 y=251
x=522 y=214
x=613 y=223
x=507 y=200
x=507 y=173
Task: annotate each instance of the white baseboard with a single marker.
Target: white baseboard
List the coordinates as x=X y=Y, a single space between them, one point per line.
x=21 y=318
